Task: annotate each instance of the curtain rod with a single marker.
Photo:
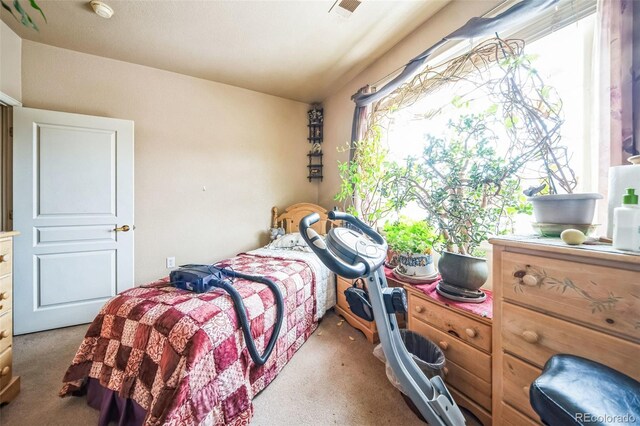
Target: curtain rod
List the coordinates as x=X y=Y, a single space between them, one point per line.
x=490 y=13
x=475 y=27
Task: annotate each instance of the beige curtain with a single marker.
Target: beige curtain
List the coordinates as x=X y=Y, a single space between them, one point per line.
x=358 y=127
x=358 y=130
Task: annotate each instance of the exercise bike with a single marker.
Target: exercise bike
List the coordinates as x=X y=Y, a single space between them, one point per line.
x=352 y=254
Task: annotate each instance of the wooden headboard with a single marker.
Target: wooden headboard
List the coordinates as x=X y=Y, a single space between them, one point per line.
x=290 y=218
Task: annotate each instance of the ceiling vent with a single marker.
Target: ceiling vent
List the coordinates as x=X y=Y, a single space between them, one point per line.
x=344 y=8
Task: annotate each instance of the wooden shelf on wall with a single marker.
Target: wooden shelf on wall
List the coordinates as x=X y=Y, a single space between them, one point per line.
x=315 y=167
x=316 y=119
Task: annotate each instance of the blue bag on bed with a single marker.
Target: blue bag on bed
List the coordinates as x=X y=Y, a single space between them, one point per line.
x=197 y=278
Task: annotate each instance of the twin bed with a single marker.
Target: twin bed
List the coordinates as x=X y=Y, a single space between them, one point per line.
x=158 y=355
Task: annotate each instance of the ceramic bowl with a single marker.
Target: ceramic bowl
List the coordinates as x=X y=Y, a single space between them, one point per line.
x=568 y=209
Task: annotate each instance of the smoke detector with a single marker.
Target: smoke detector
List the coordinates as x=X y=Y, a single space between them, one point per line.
x=102 y=9
x=344 y=8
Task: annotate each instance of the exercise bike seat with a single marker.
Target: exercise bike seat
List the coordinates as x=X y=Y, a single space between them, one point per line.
x=576 y=391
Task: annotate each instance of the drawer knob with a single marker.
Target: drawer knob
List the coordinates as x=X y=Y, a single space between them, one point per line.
x=530 y=280
x=526 y=390
x=2 y=258
x=530 y=336
x=444 y=345
x=419 y=309
x=445 y=371
x=471 y=332
x=4 y=334
x=5 y=371
x=4 y=295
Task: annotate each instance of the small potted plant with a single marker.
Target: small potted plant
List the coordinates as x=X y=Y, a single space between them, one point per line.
x=411 y=247
x=466 y=189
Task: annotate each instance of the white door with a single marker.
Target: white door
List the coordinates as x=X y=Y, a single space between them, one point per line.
x=73 y=204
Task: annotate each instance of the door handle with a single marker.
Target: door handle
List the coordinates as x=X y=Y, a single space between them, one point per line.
x=123 y=228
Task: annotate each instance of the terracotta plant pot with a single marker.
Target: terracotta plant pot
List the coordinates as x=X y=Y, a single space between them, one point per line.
x=392 y=259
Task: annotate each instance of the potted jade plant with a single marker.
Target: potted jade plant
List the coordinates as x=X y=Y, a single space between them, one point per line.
x=367 y=181
x=466 y=189
x=411 y=247
x=533 y=120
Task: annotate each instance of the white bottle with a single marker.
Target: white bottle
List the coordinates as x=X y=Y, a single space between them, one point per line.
x=626 y=223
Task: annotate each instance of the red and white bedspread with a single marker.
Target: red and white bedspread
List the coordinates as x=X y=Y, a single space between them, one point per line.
x=182 y=357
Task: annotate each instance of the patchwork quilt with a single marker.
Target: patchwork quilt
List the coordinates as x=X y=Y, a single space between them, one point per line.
x=182 y=356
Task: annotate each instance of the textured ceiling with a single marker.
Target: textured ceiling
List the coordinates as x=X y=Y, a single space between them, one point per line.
x=293 y=49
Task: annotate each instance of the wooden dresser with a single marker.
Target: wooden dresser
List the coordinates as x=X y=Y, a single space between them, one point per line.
x=465 y=339
x=551 y=298
x=9 y=384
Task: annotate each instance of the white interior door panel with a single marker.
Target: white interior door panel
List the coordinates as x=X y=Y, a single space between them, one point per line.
x=72 y=187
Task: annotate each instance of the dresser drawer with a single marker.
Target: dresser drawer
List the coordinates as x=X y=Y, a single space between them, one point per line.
x=465 y=328
x=455 y=350
x=599 y=296
x=5 y=368
x=5 y=294
x=480 y=413
x=6 y=255
x=512 y=417
x=535 y=337
x=517 y=377
x=6 y=331
x=471 y=385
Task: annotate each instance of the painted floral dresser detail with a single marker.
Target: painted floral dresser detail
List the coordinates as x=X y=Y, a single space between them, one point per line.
x=551 y=298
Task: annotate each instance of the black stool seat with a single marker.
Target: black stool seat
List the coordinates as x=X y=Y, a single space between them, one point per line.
x=575 y=391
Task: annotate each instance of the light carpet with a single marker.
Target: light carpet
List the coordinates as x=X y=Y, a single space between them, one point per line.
x=331 y=380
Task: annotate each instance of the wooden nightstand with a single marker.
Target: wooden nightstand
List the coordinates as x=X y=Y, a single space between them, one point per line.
x=465 y=338
x=342 y=308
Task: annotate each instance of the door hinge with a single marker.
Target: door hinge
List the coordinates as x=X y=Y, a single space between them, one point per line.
x=10 y=132
x=11 y=215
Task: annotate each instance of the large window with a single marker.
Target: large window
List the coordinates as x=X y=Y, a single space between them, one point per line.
x=562 y=60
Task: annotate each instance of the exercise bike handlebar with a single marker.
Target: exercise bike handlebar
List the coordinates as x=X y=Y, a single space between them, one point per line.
x=377 y=238
x=320 y=249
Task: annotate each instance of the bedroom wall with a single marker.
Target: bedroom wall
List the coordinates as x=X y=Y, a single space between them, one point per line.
x=338 y=107
x=248 y=149
x=10 y=52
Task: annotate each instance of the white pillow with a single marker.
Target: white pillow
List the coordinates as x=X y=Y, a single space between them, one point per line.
x=292 y=241
x=286 y=241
